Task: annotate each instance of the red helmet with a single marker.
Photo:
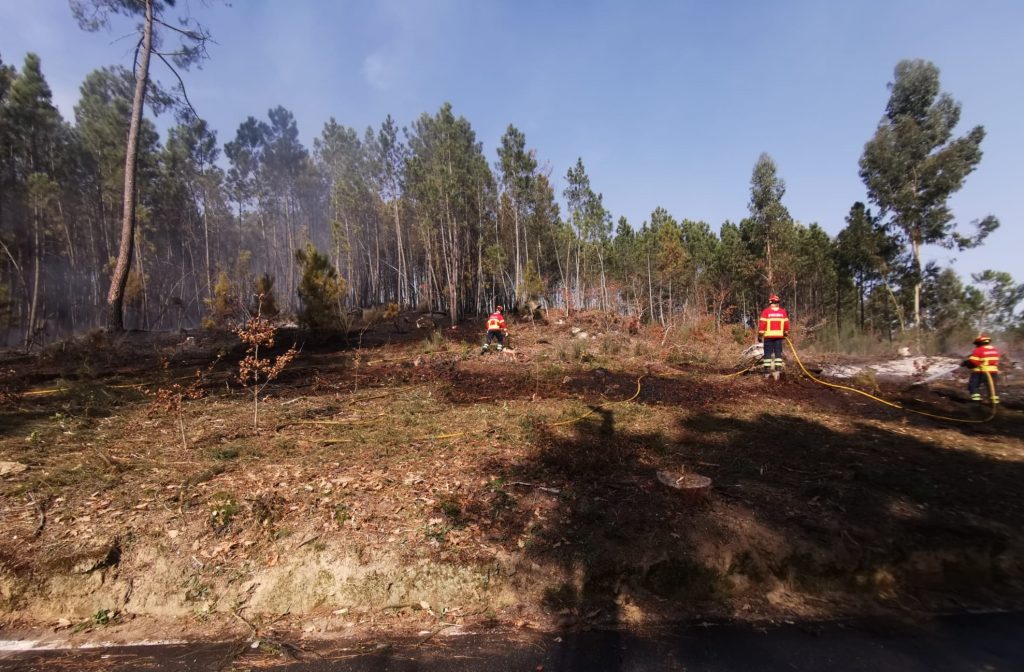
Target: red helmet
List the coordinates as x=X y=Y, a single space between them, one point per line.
x=499 y=309
x=982 y=339
x=774 y=298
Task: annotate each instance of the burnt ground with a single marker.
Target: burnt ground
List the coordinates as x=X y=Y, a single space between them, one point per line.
x=404 y=480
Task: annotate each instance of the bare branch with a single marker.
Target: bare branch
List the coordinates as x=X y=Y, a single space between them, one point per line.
x=191 y=34
x=123 y=37
x=135 y=60
x=181 y=83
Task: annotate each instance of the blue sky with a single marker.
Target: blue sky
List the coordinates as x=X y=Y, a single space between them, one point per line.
x=668 y=103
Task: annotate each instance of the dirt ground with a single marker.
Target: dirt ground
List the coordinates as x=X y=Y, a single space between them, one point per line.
x=405 y=481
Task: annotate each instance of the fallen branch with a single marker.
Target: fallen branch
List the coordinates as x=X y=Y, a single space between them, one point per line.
x=434 y=632
x=554 y=491
x=313 y=538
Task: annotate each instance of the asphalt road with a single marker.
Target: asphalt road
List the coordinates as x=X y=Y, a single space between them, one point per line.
x=968 y=643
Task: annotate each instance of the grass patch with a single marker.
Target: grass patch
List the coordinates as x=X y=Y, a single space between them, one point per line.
x=223 y=509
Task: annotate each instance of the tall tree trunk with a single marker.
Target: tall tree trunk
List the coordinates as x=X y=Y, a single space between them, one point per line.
x=115 y=297
x=860 y=298
x=650 y=286
x=403 y=279
x=30 y=330
x=206 y=236
x=916 y=246
x=519 y=269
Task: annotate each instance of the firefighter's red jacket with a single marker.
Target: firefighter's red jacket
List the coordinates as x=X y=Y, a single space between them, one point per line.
x=496 y=322
x=774 y=323
x=984 y=358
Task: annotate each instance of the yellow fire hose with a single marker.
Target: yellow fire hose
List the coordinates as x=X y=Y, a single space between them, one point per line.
x=988 y=376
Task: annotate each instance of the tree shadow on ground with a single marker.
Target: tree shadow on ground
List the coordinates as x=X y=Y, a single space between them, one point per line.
x=865 y=520
x=954 y=409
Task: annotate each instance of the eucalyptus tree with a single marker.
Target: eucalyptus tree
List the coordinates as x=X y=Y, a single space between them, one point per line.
x=191 y=48
x=913 y=164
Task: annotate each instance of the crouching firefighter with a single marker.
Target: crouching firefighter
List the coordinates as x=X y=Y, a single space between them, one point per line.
x=984 y=365
x=772 y=330
x=496 y=329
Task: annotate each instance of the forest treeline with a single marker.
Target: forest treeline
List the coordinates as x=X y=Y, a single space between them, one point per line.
x=423 y=218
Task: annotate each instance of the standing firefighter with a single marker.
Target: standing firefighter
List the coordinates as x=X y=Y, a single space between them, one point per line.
x=984 y=365
x=496 y=329
x=773 y=328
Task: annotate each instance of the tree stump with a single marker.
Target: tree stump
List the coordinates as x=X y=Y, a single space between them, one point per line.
x=693 y=488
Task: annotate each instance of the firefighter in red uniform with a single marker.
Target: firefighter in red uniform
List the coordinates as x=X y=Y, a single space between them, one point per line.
x=496 y=329
x=773 y=328
x=983 y=362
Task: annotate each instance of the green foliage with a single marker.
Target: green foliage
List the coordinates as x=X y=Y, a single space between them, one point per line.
x=913 y=164
x=448 y=178
x=341 y=513
x=266 y=303
x=320 y=291
x=949 y=305
x=999 y=302
x=429 y=224
x=866 y=253
x=222 y=307
x=94 y=15
x=434 y=342
x=574 y=351
x=533 y=286
x=103 y=617
x=770 y=220
x=5 y=301
x=223 y=509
